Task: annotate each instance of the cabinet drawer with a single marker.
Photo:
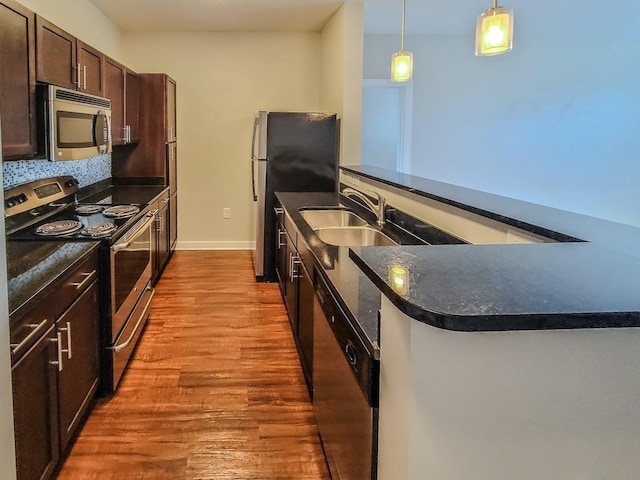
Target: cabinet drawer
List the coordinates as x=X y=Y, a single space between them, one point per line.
x=73 y=283
x=28 y=325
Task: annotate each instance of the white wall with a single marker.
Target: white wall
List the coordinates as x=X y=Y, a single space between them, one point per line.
x=553 y=122
x=341 y=86
x=223 y=80
x=527 y=405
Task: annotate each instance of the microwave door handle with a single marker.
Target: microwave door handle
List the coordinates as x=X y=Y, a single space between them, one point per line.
x=105 y=134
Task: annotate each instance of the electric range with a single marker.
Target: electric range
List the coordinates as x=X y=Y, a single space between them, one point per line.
x=47 y=209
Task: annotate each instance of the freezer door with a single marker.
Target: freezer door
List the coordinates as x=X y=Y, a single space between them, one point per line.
x=258 y=185
x=260 y=182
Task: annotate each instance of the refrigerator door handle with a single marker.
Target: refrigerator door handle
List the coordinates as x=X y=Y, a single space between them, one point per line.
x=253 y=139
x=254 y=158
x=253 y=179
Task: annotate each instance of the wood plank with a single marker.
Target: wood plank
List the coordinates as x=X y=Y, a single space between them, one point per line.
x=214 y=390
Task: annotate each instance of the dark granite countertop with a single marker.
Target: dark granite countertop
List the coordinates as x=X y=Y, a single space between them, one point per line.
x=118 y=194
x=509 y=287
x=590 y=284
x=33 y=265
x=359 y=296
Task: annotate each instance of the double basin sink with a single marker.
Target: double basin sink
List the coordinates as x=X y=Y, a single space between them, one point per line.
x=344 y=228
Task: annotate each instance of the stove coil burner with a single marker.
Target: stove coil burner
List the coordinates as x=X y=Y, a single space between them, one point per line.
x=59 y=229
x=88 y=209
x=100 y=230
x=121 y=211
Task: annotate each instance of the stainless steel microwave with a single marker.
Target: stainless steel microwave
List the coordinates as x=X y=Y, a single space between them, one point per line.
x=78 y=125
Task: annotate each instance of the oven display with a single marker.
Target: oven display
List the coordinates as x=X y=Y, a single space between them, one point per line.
x=47 y=190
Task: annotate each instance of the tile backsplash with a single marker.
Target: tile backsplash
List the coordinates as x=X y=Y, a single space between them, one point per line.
x=87 y=171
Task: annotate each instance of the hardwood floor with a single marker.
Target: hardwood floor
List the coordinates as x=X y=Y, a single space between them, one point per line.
x=215 y=389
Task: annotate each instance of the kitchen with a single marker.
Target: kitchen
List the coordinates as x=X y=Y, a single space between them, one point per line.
x=259 y=85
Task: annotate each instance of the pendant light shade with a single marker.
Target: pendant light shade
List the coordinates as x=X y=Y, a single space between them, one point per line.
x=401 y=66
x=402 y=61
x=494 y=31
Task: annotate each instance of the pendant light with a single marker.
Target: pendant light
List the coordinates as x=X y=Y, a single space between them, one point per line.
x=402 y=61
x=494 y=31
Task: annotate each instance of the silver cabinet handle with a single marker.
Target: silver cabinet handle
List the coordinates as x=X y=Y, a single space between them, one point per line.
x=58 y=341
x=67 y=350
x=69 y=340
x=294 y=261
x=84 y=76
x=89 y=276
x=78 y=68
x=36 y=329
x=280 y=233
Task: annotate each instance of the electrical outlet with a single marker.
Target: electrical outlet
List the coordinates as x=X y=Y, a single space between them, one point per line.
x=226 y=213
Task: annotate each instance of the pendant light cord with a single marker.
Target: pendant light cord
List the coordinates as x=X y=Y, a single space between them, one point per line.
x=404 y=5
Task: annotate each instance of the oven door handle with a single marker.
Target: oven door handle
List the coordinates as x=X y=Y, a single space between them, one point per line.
x=125 y=344
x=130 y=239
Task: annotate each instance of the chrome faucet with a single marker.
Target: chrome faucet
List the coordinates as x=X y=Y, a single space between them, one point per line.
x=377 y=208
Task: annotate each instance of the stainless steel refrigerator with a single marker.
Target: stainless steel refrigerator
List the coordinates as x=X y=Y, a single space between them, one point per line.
x=290 y=152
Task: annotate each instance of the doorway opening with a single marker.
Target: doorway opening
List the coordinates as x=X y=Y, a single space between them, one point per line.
x=387 y=124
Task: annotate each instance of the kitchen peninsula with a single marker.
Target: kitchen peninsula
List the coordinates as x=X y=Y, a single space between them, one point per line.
x=509 y=354
x=507 y=361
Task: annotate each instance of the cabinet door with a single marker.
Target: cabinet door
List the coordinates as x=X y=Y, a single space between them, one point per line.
x=305 y=324
x=132 y=105
x=162 y=235
x=35 y=410
x=171 y=110
x=17 y=80
x=78 y=374
x=172 y=168
x=291 y=284
x=281 y=255
x=114 y=90
x=56 y=55
x=92 y=67
x=173 y=221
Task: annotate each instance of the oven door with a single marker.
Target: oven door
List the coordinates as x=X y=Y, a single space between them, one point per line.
x=130 y=271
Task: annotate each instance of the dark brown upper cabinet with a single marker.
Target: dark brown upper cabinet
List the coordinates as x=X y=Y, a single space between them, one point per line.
x=66 y=61
x=132 y=105
x=151 y=158
x=121 y=86
x=17 y=80
x=114 y=74
x=171 y=110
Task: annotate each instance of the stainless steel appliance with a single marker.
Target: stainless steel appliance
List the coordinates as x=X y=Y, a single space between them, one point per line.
x=78 y=125
x=346 y=391
x=46 y=209
x=290 y=152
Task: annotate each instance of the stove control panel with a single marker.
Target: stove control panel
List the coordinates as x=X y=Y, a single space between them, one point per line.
x=34 y=194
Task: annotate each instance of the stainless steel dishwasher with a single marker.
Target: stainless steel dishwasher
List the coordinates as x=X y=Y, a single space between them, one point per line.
x=345 y=399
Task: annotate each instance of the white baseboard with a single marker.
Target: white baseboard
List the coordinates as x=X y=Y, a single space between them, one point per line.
x=215 y=245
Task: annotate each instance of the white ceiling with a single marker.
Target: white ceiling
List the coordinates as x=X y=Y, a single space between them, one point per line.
x=381 y=16
x=219 y=15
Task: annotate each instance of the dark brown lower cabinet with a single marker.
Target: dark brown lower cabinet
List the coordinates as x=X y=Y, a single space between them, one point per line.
x=53 y=387
x=35 y=409
x=78 y=375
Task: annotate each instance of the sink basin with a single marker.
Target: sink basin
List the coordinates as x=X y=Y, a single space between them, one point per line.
x=331 y=218
x=353 y=237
